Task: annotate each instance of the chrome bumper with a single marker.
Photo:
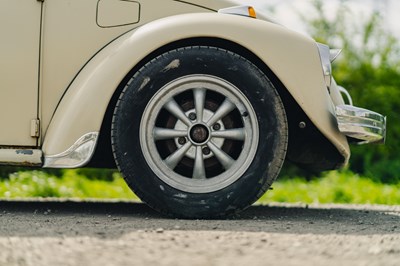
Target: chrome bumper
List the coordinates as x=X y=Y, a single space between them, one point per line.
x=361 y=124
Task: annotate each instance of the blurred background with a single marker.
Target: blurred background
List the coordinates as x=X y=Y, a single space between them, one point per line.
x=369 y=66
x=368 y=31
x=287 y=11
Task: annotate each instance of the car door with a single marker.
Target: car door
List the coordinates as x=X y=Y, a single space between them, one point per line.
x=19 y=71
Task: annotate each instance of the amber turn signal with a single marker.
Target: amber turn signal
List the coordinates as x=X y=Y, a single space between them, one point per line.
x=252 y=12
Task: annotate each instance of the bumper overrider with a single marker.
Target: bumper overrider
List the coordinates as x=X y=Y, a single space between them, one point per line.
x=363 y=125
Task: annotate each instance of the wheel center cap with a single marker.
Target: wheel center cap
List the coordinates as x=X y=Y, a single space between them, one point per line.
x=199 y=134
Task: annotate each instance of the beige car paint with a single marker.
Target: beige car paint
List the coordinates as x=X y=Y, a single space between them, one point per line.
x=19 y=63
x=82 y=64
x=128 y=13
x=72 y=37
x=25 y=157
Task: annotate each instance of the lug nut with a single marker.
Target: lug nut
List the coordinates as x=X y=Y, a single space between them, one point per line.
x=217 y=127
x=192 y=116
x=302 y=125
x=181 y=140
x=206 y=151
x=245 y=114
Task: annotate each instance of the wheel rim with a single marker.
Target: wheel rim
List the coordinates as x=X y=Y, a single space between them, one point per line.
x=199 y=133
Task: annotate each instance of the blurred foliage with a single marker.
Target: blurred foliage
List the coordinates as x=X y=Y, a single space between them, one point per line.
x=369 y=68
x=89 y=173
x=70 y=184
x=334 y=187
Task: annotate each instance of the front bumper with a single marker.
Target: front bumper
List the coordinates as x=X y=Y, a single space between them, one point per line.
x=361 y=124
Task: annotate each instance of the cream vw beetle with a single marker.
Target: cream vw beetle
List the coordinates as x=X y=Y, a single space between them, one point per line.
x=197 y=102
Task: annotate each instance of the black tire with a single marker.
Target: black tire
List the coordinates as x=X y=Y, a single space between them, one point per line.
x=229 y=185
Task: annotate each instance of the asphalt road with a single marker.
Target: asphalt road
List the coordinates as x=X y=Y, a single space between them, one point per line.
x=108 y=233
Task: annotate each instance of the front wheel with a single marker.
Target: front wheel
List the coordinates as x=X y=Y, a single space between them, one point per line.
x=199 y=132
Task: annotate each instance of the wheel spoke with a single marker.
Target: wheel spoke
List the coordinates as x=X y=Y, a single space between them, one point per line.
x=166 y=133
x=199 y=171
x=199 y=95
x=173 y=160
x=173 y=107
x=235 y=134
x=199 y=133
x=226 y=107
x=222 y=157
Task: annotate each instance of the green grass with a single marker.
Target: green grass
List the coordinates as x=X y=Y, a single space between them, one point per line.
x=70 y=185
x=332 y=187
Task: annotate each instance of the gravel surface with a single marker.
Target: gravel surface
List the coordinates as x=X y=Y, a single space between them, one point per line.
x=117 y=233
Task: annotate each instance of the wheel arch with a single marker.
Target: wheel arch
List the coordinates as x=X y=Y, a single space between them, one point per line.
x=103 y=154
x=316 y=156
x=211 y=29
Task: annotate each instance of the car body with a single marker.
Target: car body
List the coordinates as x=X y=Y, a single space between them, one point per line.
x=68 y=64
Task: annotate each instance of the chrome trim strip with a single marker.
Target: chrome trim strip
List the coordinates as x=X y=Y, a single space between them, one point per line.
x=334 y=53
x=21 y=157
x=78 y=155
x=346 y=93
x=361 y=124
x=235 y=10
x=325 y=55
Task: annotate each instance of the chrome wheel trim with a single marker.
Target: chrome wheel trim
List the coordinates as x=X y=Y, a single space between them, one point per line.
x=247 y=135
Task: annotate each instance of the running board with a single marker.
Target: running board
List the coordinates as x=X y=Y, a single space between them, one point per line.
x=21 y=157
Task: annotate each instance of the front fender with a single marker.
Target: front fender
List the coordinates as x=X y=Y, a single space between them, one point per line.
x=292 y=57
